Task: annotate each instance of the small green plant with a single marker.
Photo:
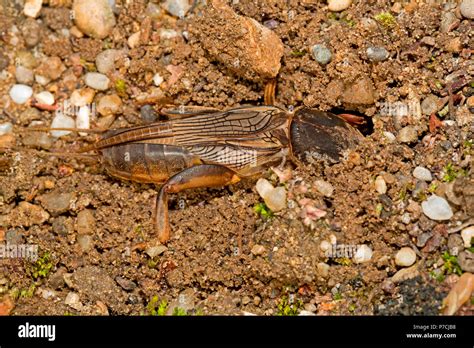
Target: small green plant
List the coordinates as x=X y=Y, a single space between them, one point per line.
x=42 y=267
x=343 y=261
x=386 y=19
x=451 y=264
x=337 y=296
x=438 y=276
x=432 y=187
x=378 y=209
x=120 y=86
x=179 y=312
x=297 y=53
x=451 y=173
x=288 y=308
x=157 y=309
x=352 y=307
x=263 y=210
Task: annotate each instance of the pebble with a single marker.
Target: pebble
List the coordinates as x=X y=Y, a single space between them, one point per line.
x=148 y=114
x=97 y=81
x=405 y=257
x=85 y=222
x=466 y=261
x=361 y=92
x=81 y=97
x=32 y=8
x=24 y=75
x=155 y=250
x=448 y=22
x=377 y=54
x=453 y=45
x=324 y=188
x=407 y=134
x=255 y=53
x=177 y=8
x=50 y=68
x=264 y=187
x=467 y=234
x=85 y=242
x=429 y=105
x=338 y=5
x=168 y=34
x=31 y=31
x=276 y=199
x=125 y=283
x=455 y=244
x=323 y=269
x=321 y=54
x=30 y=214
x=105 y=60
x=157 y=79
x=389 y=136
x=6 y=128
x=56 y=202
x=258 y=250
x=467 y=9
x=44 y=97
x=421 y=173
x=72 y=300
x=61 y=121
x=20 y=93
x=4 y=60
x=109 y=105
x=437 y=208
x=99 y=25
x=363 y=254
x=26 y=59
x=405 y=274
x=380 y=185
x=133 y=40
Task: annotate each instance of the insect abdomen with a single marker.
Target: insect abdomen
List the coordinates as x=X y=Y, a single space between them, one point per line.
x=144 y=162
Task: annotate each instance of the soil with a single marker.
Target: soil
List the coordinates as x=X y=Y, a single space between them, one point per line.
x=210 y=266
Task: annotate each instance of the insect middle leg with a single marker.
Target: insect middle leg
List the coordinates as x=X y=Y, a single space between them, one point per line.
x=204 y=175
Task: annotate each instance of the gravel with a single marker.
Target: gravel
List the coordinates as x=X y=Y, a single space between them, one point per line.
x=44 y=97
x=24 y=75
x=157 y=80
x=407 y=134
x=109 y=105
x=405 y=257
x=321 y=54
x=62 y=121
x=380 y=185
x=177 y=8
x=97 y=81
x=421 y=173
x=99 y=25
x=466 y=261
x=377 y=54
x=324 y=188
x=338 y=5
x=20 y=93
x=437 y=208
x=363 y=254
x=5 y=128
x=105 y=60
x=467 y=234
x=148 y=114
x=467 y=8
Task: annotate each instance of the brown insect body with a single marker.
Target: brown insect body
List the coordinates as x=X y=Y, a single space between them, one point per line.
x=214 y=148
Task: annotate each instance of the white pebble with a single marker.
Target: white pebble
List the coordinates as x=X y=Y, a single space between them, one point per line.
x=97 y=81
x=389 y=136
x=437 y=208
x=363 y=254
x=276 y=199
x=157 y=80
x=324 y=188
x=380 y=185
x=467 y=234
x=81 y=97
x=421 y=173
x=24 y=75
x=168 y=34
x=42 y=80
x=467 y=8
x=82 y=119
x=133 y=40
x=105 y=60
x=61 y=121
x=338 y=5
x=5 y=128
x=21 y=93
x=405 y=257
x=45 y=97
x=264 y=187
x=177 y=8
x=32 y=8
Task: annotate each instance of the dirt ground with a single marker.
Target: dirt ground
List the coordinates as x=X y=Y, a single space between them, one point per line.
x=223 y=257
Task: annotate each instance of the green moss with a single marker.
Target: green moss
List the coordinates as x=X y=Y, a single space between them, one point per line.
x=337 y=296
x=343 y=261
x=121 y=86
x=263 y=210
x=179 y=312
x=286 y=308
x=352 y=307
x=451 y=264
x=42 y=267
x=156 y=307
x=386 y=19
x=451 y=172
x=298 y=53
